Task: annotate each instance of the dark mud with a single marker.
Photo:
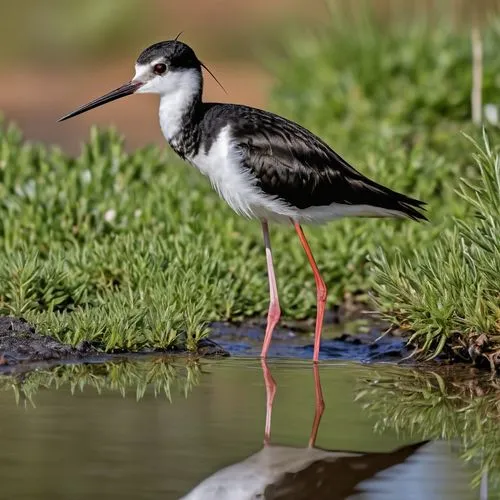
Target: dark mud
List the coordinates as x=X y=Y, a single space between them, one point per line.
x=23 y=348
x=20 y=343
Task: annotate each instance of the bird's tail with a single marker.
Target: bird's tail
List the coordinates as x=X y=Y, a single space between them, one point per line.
x=411 y=208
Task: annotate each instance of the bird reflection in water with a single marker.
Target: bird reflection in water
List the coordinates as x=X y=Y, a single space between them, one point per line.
x=287 y=472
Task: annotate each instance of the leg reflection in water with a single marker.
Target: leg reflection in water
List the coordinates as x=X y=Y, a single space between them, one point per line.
x=271 y=393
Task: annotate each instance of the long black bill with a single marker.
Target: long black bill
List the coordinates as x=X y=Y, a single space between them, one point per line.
x=124 y=90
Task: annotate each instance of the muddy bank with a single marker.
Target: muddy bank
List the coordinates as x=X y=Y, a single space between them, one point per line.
x=22 y=345
x=22 y=348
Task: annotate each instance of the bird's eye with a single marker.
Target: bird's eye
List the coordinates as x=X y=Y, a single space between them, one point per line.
x=160 y=68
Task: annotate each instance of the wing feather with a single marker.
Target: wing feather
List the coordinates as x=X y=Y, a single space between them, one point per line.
x=296 y=166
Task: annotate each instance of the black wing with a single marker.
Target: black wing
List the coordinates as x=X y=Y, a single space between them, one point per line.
x=296 y=166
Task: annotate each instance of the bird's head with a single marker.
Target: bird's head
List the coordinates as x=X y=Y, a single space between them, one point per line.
x=163 y=68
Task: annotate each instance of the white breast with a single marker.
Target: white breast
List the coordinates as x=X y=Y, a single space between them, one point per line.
x=237 y=186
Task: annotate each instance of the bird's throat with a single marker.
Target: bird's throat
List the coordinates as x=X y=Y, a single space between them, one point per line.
x=177 y=110
x=179 y=117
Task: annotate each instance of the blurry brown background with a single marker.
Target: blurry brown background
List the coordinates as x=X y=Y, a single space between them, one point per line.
x=58 y=54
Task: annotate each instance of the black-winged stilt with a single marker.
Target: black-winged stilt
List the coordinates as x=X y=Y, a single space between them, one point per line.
x=264 y=166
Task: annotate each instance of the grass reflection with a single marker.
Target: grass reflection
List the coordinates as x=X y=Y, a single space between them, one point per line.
x=447 y=403
x=160 y=376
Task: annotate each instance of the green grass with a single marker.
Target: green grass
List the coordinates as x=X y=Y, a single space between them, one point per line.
x=448 y=293
x=360 y=82
x=135 y=250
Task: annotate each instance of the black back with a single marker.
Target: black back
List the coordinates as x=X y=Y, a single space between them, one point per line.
x=294 y=165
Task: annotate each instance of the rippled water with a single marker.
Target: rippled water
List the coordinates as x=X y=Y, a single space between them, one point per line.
x=162 y=429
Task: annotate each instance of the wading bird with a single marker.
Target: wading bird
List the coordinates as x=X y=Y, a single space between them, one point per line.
x=264 y=166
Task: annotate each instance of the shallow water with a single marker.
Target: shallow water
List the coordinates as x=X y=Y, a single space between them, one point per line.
x=158 y=429
x=365 y=343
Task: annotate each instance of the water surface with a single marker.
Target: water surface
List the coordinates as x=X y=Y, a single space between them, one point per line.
x=158 y=429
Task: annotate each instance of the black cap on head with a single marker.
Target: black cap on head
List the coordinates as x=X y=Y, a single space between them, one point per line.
x=176 y=54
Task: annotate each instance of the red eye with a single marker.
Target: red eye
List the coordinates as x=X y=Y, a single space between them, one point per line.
x=160 y=68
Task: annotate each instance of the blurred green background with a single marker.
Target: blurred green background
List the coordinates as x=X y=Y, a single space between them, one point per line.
x=57 y=54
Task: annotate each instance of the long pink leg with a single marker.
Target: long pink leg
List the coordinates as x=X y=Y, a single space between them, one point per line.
x=320 y=406
x=321 y=291
x=274 y=312
x=270 y=393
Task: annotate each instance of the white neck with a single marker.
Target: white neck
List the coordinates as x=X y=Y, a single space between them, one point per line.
x=177 y=102
x=178 y=90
